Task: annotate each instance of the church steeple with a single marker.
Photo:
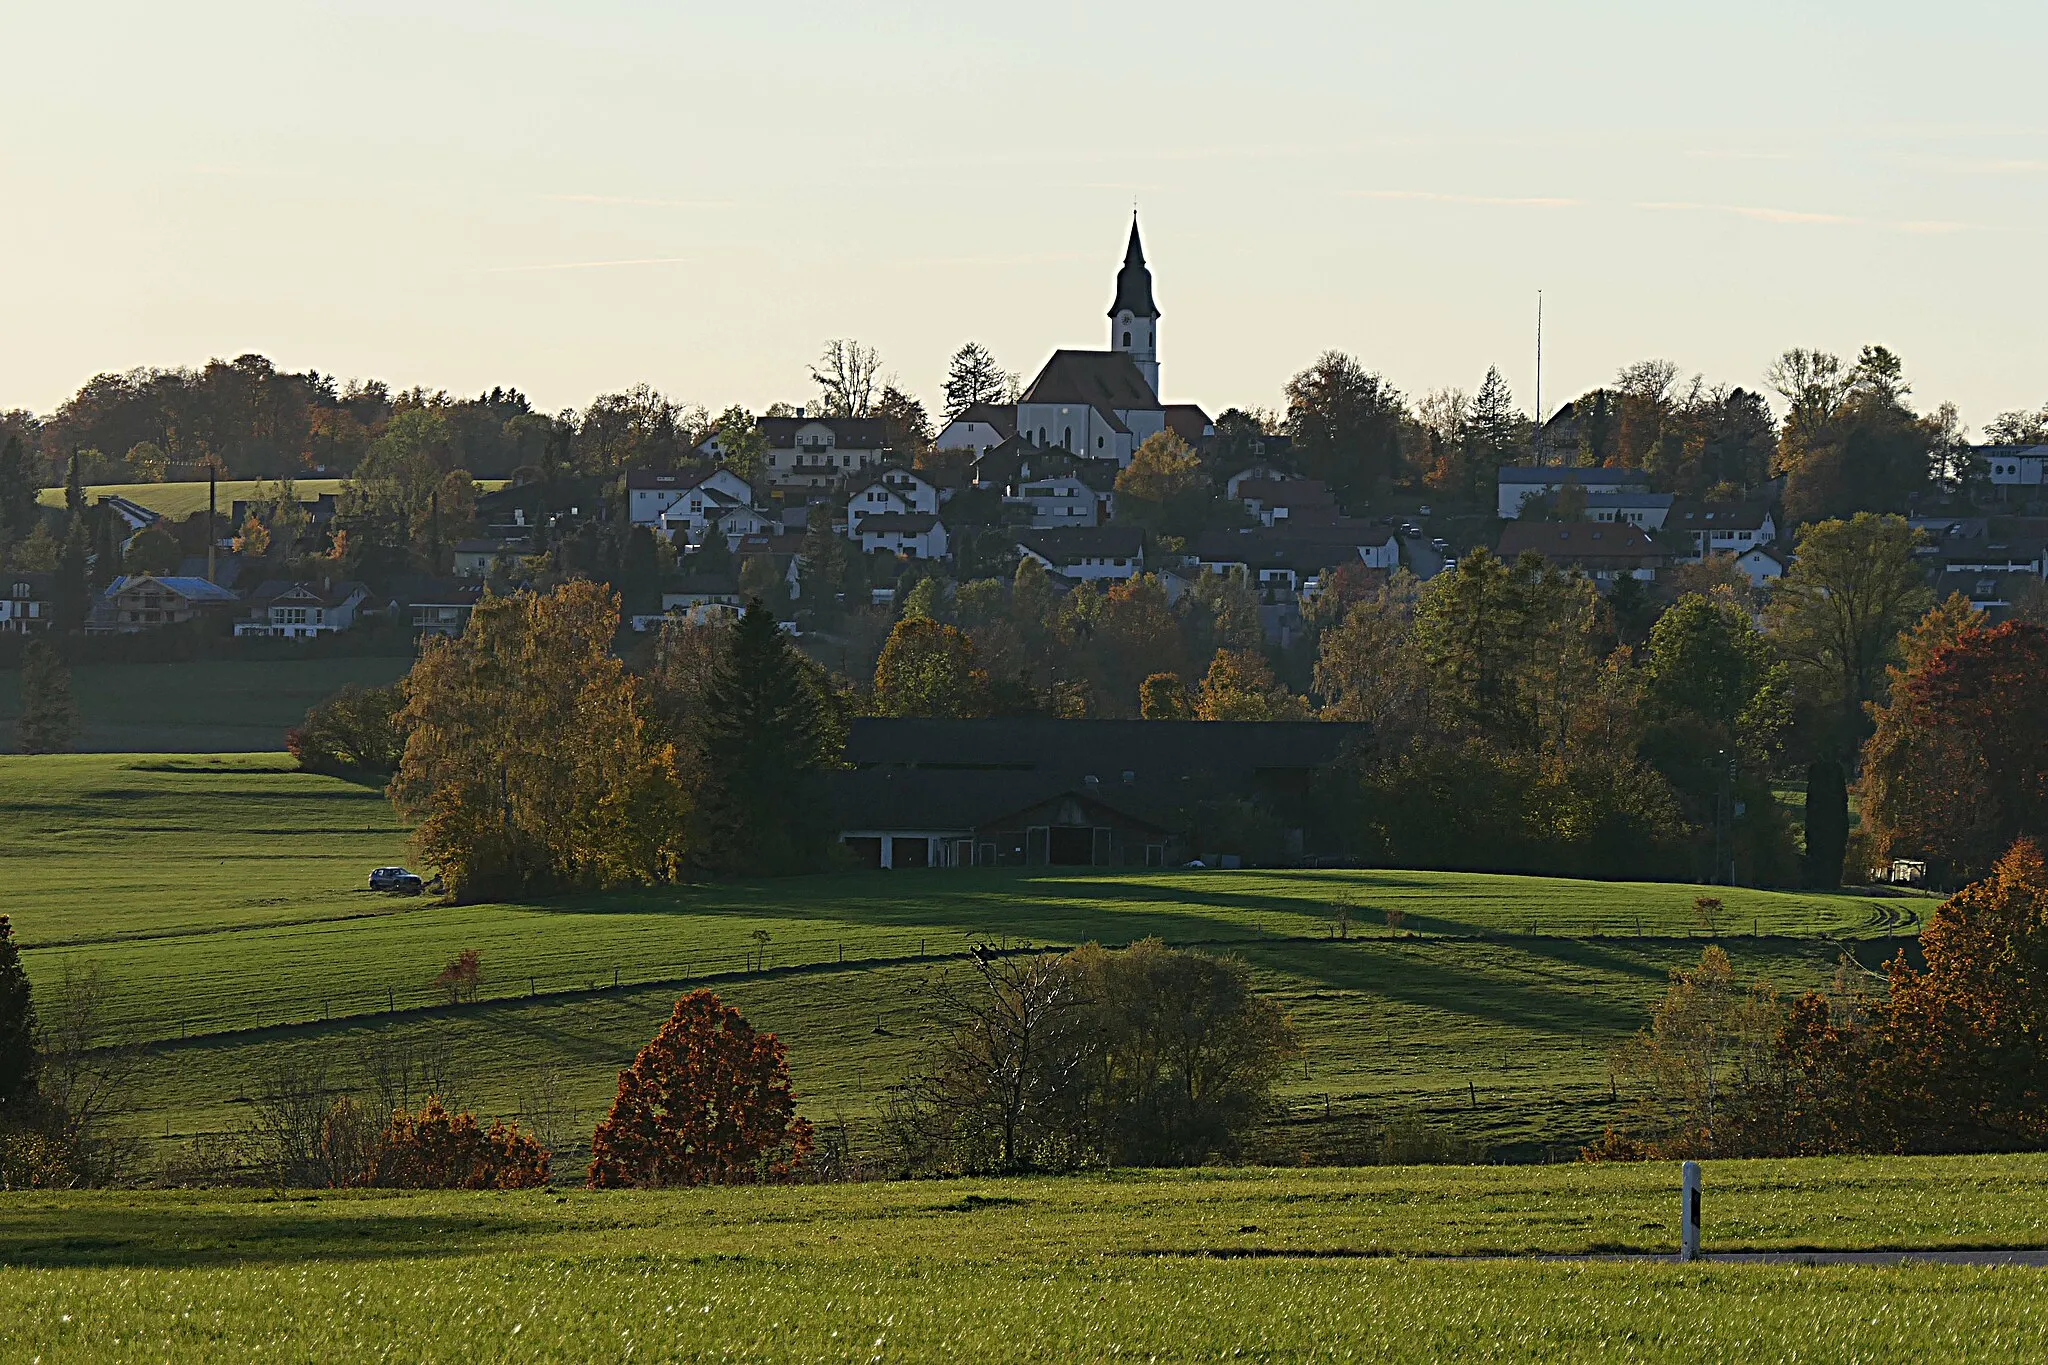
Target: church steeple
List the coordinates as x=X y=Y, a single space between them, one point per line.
x=1133 y=317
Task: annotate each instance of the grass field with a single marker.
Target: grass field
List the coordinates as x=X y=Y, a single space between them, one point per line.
x=218 y=706
x=1391 y=1264
x=222 y=898
x=180 y=500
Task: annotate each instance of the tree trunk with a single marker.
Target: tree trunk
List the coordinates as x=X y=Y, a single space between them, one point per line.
x=1827 y=824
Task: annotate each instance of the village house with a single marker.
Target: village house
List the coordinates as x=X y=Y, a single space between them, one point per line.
x=1603 y=552
x=300 y=611
x=1762 y=564
x=816 y=452
x=1713 y=528
x=1630 y=507
x=483 y=558
x=139 y=602
x=685 y=505
x=1519 y=485
x=1276 y=500
x=914 y=535
x=27 y=602
x=1087 y=554
x=433 y=606
x=980 y=427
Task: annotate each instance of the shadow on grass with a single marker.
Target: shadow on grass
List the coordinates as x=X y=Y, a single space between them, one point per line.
x=262 y=1231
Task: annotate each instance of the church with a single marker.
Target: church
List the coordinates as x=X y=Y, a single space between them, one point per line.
x=1097 y=405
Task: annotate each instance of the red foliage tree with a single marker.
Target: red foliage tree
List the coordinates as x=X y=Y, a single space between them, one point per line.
x=706 y=1102
x=1958 y=767
x=437 y=1150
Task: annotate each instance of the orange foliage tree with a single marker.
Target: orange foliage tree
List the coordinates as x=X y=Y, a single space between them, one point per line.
x=707 y=1102
x=929 y=669
x=437 y=1150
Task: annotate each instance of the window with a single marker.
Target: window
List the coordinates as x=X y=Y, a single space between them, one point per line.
x=1067 y=441
x=1127 y=340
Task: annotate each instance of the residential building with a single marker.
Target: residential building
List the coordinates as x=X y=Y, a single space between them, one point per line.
x=684 y=504
x=1092 y=554
x=1716 y=528
x=2015 y=466
x=914 y=535
x=1762 y=564
x=696 y=599
x=139 y=602
x=300 y=611
x=433 y=606
x=893 y=489
x=28 y=602
x=1995 y=545
x=1276 y=500
x=1058 y=500
x=1518 y=485
x=1092 y=793
x=980 y=428
x=1602 y=552
x=1631 y=507
x=1994 y=594
x=816 y=452
x=482 y=558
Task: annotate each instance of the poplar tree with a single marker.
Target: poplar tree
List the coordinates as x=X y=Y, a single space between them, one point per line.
x=17 y=495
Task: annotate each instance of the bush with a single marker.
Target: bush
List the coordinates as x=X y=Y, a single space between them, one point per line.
x=436 y=1150
x=355 y=731
x=706 y=1102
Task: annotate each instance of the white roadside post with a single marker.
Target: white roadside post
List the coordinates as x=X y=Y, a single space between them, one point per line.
x=1689 y=1214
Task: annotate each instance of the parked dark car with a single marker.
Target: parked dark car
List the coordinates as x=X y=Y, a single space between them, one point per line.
x=396 y=879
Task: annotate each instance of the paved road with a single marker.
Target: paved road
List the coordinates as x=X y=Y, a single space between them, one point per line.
x=1421 y=558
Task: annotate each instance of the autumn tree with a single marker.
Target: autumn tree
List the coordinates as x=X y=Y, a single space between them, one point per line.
x=1958 y=766
x=741 y=446
x=1367 y=667
x=1850 y=443
x=529 y=760
x=48 y=723
x=1240 y=686
x=847 y=375
x=1165 y=696
x=1163 y=488
x=906 y=426
x=706 y=1102
x=437 y=1150
x=1836 y=616
x=1345 y=424
x=354 y=731
x=929 y=669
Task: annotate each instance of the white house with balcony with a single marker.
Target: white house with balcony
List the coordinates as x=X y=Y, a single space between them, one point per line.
x=1058 y=500
x=914 y=535
x=1719 y=528
x=300 y=611
x=816 y=452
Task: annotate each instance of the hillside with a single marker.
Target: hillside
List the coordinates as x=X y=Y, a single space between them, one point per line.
x=222 y=898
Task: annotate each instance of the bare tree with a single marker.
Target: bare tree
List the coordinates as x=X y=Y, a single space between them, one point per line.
x=545 y=1110
x=402 y=1068
x=86 y=1079
x=847 y=375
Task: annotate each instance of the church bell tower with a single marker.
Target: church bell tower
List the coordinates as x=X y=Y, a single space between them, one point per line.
x=1133 y=318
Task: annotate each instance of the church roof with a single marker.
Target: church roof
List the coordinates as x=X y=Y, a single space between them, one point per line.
x=1134 y=281
x=1109 y=380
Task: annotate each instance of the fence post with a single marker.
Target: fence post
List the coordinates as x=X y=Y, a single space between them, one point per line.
x=615 y=978
x=391 y=1000
x=1689 y=1213
x=530 y=992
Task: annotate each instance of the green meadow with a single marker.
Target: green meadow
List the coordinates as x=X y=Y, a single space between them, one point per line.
x=222 y=900
x=1382 y=1264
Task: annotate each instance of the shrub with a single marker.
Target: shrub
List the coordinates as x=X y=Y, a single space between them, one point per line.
x=355 y=731
x=706 y=1102
x=437 y=1150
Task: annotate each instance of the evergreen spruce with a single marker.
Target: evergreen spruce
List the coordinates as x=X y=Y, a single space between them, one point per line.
x=17 y=495
x=49 y=717
x=74 y=489
x=1827 y=824
x=18 y=1062
x=765 y=731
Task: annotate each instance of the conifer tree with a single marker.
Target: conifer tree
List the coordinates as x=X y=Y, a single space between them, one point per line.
x=49 y=717
x=764 y=733
x=18 y=1062
x=17 y=495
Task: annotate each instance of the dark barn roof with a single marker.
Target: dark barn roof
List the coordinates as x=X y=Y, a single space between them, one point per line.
x=1068 y=750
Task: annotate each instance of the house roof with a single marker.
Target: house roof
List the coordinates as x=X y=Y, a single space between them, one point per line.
x=191 y=589
x=1109 y=380
x=414 y=591
x=1189 y=422
x=1770 y=552
x=1065 y=544
x=789 y=543
x=703 y=585
x=926 y=799
x=1307 y=554
x=1285 y=492
x=1570 y=474
x=1577 y=540
x=1715 y=516
x=848 y=433
x=902 y=523
x=1630 y=497
x=1001 y=416
x=493 y=547
x=1134 y=281
x=272 y=590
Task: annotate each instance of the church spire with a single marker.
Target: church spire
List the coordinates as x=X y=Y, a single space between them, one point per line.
x=1134 y=281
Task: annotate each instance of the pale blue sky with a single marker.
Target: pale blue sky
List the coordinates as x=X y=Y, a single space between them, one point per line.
x=573 y=198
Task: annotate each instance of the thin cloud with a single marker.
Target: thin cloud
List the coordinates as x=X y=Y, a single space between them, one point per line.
x=1495 y=201
x=2014 y=167
x=1732 y=154
x=1807 y=218
x=639 y=203
x=588 y=265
